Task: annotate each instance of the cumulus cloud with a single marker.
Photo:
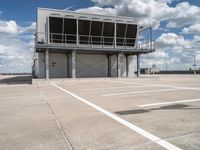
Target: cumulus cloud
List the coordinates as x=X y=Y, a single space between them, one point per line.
x=175 y=51
x=16 y=46
x=98 y=10
x=9 y=27
x=149 y=12
x=193 y=29
x=145 y=12
x=184 y=14
x=172 y=41
x=30 y=29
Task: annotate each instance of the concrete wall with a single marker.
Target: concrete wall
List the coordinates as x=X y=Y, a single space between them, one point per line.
x=40 y=65
x=113 y=65
x=89 y=65
x=132 y=65
x=123 y=66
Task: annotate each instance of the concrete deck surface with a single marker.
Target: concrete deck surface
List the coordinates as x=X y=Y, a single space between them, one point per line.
x=43 y=117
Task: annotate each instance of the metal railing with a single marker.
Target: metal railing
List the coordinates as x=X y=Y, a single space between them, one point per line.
x=93 y=41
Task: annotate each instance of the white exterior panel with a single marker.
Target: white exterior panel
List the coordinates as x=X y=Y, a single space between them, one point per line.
x=123 y=66
x=113 y=65
x=40 y=65
x=132 y=62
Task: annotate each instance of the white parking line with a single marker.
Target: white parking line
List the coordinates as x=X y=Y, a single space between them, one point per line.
x=133 y=127
x=126 y=82
x=138 y=92
x=161 y=85
x=112 y=88
x=167 y=103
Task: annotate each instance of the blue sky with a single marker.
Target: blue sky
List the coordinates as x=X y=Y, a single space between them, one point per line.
x=25 y=10
x=176 y=26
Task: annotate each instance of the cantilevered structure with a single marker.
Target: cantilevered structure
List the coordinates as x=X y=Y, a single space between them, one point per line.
x=72 y=44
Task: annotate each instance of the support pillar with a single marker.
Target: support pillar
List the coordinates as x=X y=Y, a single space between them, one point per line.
x=109 y=65
x=73 y=64
x=69 y=62
x=138 y=65
x=47 y=63
x=119 y=65
x=127 y=66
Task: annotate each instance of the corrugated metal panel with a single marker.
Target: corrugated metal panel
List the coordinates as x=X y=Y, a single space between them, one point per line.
x=89 y=65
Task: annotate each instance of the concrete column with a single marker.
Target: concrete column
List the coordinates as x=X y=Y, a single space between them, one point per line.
x=47 y=63
x=119 y=65
x=73 y=64
x=69 y=65
x=138 y=65
x=131 y=61
x=127 y=66
x=109 y=65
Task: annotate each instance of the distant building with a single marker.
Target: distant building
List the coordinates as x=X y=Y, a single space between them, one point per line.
x=154 y=69
x=150 y=70
x=71 y=44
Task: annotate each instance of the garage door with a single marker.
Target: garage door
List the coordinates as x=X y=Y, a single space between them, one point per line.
x=90 y=65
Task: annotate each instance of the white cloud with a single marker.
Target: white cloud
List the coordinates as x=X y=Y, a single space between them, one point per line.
x=174 y=60
x=98 y=10
x=16 y=46
x=174 y=50
x=150 y=12
x=198 y=57
x=184 y=14
x=9 y=27
x=146 y=12
x=30 y=29
x=172 y=41
x=193 y=29
x=160 y=54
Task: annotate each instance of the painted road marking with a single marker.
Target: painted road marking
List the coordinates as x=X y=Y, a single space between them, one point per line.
x=133 y=127
x=161 y=85
x=167 y=103
x=139 y=92
x=112 y=88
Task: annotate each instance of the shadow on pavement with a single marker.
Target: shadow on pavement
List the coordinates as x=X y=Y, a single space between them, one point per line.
x=139 y=111
x=16 y=80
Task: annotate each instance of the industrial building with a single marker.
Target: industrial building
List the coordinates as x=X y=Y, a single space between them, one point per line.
x=74 y=45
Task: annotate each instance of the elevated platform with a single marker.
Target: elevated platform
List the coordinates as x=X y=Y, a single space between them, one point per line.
x=77 y=45
x=65 y=30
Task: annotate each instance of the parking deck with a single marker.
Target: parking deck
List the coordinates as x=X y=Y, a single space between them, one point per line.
x=147 y=113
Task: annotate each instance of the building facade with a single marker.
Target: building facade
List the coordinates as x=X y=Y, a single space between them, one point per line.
x=74 y=45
